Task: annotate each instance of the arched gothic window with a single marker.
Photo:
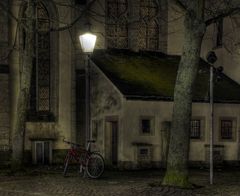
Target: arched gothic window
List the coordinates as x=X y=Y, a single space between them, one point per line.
x=43 y=60
x=40 y=92
x=116 y=27
x=149 y=28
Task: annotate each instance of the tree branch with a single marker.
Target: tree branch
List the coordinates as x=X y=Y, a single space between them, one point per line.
x=180 y=4
x=89 y=5
x=9 y=13
x=222 y=15
x=5 y=9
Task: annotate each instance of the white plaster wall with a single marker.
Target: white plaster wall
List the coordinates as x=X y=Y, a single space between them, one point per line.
x=106 y=102
x=197 y=148
x=231 y=148
x=162 y=111
x=132 y=111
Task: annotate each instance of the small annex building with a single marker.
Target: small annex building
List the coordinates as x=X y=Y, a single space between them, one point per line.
x=132 y=103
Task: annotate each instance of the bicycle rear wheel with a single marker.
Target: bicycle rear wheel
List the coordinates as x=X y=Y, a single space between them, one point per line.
x=95 y=165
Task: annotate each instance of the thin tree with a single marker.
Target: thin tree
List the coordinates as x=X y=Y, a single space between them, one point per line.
x=18 y=132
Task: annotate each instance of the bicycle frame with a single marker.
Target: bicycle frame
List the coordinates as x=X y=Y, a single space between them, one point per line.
x=85 y=158
x=78 y=152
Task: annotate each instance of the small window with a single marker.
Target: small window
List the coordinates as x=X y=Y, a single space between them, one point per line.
x=195 y=129
x=226 y=129
x=42 y=152
x=146 y=125
x=144 y=153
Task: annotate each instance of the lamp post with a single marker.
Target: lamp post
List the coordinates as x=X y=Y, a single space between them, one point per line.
x=87 y=42
x=211 y=58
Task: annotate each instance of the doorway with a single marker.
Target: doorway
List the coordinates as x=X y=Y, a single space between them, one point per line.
x=111 y=142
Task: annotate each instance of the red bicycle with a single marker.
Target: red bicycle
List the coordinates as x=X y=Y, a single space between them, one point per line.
x=91 y=162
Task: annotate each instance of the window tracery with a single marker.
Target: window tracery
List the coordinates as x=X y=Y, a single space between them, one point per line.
x=40 y=91
x=117 y=27
x=149 y=28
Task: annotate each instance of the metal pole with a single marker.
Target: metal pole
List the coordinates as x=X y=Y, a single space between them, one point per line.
x=87 y=98
x=212 y=124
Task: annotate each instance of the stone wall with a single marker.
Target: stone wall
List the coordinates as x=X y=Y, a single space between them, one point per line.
x=135 y=38
x=4 y=85
x=4 y=112
x=61 y=72
x=4 y=30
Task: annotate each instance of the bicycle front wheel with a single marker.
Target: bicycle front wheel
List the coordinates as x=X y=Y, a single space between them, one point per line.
x=66 y=163
x=95 y=165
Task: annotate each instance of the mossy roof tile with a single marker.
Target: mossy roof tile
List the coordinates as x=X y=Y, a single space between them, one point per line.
x=152 y=75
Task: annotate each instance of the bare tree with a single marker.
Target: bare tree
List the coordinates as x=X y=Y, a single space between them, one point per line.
x=24 y=91
x=198 y=15
x=23 y=97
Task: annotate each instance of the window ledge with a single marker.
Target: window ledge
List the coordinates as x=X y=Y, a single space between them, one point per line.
x=141 y=144
x=196 y=139
x=215 y=146
x=228 y=140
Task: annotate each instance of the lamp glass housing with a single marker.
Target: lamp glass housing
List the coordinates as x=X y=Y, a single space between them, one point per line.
x=87 y=42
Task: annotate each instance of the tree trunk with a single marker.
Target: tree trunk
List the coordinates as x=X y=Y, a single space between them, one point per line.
x=18 y=132
x=177 y=171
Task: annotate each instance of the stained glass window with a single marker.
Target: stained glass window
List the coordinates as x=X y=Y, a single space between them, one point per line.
x=40 y=84
x=149 y=28
x=116 y=24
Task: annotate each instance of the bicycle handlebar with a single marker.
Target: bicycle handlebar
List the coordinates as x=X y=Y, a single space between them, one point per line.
x=76 y=144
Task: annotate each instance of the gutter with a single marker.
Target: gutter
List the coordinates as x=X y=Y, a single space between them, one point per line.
x=170 y=99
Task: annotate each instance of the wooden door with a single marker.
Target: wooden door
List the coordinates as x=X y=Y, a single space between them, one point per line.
x=111 y=142
x=114 y=142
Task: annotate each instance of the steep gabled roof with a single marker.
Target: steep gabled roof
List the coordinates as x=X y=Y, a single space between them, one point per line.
x=151 y=76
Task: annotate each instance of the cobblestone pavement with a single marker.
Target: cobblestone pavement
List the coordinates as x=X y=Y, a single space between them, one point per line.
x=114 y=183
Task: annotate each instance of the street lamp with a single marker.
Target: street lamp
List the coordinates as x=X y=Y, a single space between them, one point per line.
x=87 y=42
x=211 y=58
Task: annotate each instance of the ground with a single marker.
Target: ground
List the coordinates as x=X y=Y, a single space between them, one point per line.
x=50 y=182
